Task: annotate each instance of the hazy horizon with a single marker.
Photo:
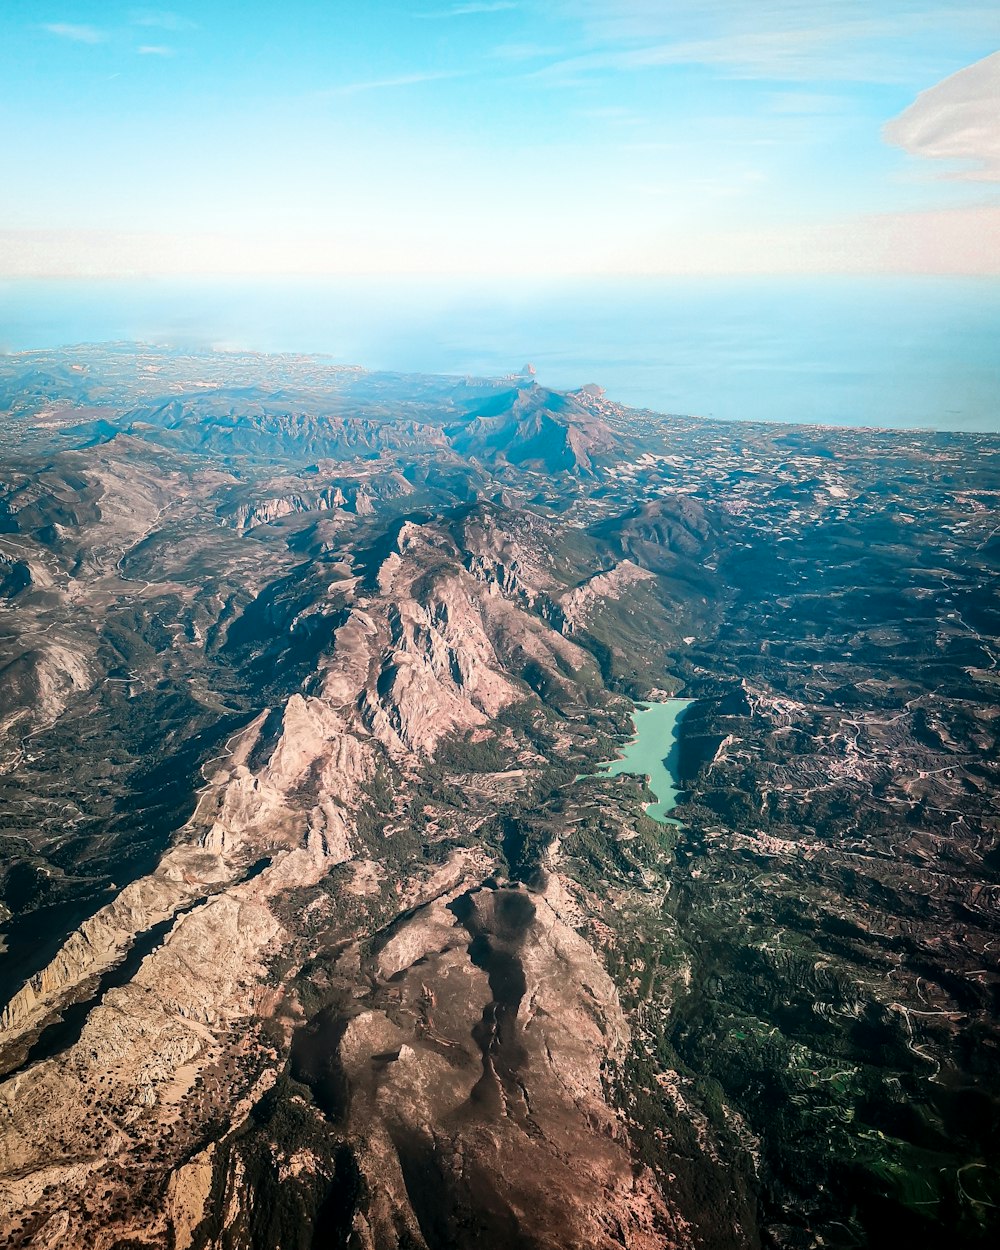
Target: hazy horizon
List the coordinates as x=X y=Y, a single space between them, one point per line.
x=615 y=189
x=887 y=351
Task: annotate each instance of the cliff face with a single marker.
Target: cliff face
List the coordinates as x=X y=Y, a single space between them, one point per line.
x=578 y=605
x=465 y=1045
x=249 y=515
x=323 y=926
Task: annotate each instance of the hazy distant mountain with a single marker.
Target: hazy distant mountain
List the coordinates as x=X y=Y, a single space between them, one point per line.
x=534 y=428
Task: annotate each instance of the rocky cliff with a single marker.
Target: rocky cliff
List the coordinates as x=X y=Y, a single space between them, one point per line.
x=480 y=1024
x=324 y=927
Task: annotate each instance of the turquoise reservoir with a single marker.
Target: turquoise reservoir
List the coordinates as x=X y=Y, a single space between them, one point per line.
x=653 y=753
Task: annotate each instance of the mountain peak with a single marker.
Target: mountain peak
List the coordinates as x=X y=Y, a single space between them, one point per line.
x=534 y=427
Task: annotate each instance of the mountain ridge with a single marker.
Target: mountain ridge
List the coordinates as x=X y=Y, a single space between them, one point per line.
x=307 y=843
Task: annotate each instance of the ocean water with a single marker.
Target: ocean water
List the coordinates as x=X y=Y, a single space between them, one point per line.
x=838 y=351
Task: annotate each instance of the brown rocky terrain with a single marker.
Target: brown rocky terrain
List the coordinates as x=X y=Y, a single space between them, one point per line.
x=321 y=928
x=476 y=1077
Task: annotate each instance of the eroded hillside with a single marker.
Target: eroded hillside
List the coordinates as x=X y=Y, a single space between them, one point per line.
x=320 y=930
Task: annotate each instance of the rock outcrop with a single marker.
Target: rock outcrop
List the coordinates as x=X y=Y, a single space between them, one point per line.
x=475 y=1054
x=248 y=516
x=585 y=598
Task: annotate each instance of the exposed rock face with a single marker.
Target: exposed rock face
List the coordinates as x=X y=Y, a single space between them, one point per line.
x=39 y=683
x=145 y=1048
x=103 y=940
x=419 y=656
x=241 y=815
x=441 y=674
x=473 y=1085
x=363 y=505
x=138 y=1056
x=504 y=1058
x=188 y=1195
x=248 y=516
x=512 y=550
x=579 y=603
x=302 y=837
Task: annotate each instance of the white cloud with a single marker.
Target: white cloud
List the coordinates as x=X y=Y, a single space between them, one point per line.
x=956 y=120
x=790 y=40
x=384 y=84
x=161 y=20
x=77 y=34
x=470 y=9
x=155 y=49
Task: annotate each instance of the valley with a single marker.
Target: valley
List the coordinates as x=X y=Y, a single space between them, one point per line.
x=323 y=924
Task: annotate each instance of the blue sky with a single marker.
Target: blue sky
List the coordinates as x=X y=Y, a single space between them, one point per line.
x=558 y=136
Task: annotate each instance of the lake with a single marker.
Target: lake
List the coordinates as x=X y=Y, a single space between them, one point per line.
x=898 y=352
x=653 y=753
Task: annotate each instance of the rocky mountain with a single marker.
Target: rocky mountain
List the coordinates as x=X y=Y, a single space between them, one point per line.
x=322 y=925
x=534 y=428
x=278 y=425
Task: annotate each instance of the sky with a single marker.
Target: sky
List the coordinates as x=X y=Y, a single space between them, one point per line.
x=499 y=137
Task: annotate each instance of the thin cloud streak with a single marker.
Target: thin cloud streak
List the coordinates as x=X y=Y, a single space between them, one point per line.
x=389 y=84
x=158 y=49
x=788 y=55
x=74 y=33
x=161 y=20
x=624 y=21
x=469 y=10
x=781 y=40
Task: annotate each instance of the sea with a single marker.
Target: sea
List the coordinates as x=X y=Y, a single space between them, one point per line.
x=886 y=351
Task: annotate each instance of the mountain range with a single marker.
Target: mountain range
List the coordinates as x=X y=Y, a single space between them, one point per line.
x=322 y=925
